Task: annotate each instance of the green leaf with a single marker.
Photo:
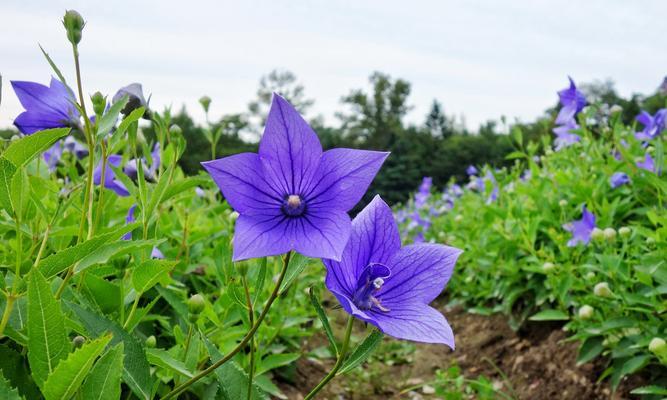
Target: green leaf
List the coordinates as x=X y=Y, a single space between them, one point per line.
x=590 y=349
x=149 y=273
x=114 y=249
x=176 y=188
x=7 y=392
x=110 y=117
x=296 y=265
x=56 y=70
x=362 y=352
x=136 y=370
x=21 y=151
x=134 y=116
x=47 y=339
x=7 y=171
x=69 y=374
x=635 y=364
x=56 y=263
x=20 y=191
x=158 y=191
x=273 y=361
x=650 y=389
x=232 y=379
x=103 y=383
x=324 y=319
x=550 y=315
x=163 y=359
x=262 y=271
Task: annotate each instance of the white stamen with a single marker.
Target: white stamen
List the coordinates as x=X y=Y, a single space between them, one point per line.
x=293 y=201
x=378 y=282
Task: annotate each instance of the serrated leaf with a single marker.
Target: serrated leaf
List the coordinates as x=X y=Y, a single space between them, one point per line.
x=68 y=376
x=136 y=370
x=47 y=339
x=232 y=379
x=163 y=359
x=56 y=263
x=315 y=301
x=149 y=273
x=108 y=120
x=590 y=349
x=21 y=151
x=103 y=383
x=362 y=352
x=549 y=315
x=7 y=392
x=296 y=265
x=7 y=171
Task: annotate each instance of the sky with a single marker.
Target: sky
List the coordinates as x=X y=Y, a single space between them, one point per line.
x=481 y=59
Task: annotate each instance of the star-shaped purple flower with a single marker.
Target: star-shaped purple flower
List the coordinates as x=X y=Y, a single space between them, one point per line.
x=653 y=124
x=45 y=106
x=293 y=196
x=110 y=181
x=391 y=287
x=564 y=135
x=618 y=179
x=572 y=101
x=581 y=230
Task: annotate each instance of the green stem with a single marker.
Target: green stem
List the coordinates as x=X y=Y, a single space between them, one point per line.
x=187 y=340
x=132 y=310
x=244 y=341
x=251 y=318
x=5 y=315
x=339 y=361
x=100 y=198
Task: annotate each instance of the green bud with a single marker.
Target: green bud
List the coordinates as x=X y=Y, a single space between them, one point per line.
x=590 y=275
x=650 y=241
x=650 y=149
x=150 y=342
x=175 y=129
x=196 y=304
x=99 y=103
x=597 y=235
x=233 y=216
x=548 y=267
x=602 y=290
x=205 y=102
x=615 y=109
x=657 y=346
x=562 y=203
x=78 y=341
x=586 y=312
x=625 y=232
x=74 y=23
x=458 y=218
x=610 y=234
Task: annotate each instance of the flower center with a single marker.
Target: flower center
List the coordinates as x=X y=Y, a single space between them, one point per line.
x=369 y=283
x=294 y=205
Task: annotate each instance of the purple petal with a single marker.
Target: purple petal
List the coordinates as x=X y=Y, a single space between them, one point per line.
x=321 y=233
x=289 y=149
x=343 y=177
x=128 y=220
x=414 y=321
x=262 y=235
x=156 y=253
x=374 y=239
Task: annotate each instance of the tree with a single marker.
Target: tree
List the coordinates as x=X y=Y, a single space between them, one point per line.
x=438 y=123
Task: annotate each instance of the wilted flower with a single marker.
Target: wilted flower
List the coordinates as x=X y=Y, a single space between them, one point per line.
x=653 y=124
x=390 y=287
x=581 y=230
x=572 y=101
x=135 y=93
x=471 y=170
x=45 y=107
x=619 y=179
x=293 y=196
x=110 y=181
x=564 y=135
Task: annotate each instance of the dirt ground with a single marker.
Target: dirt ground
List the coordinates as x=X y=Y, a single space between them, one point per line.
x=536 y=361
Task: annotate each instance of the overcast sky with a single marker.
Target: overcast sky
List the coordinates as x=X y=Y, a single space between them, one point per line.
x=482 y=59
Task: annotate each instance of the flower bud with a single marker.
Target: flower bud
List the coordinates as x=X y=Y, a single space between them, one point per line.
x=196 y=304
x=205 y=102
x=99 y=103
x=150 y=342
x=548 y=267
x=233 y=216
x=597 y=235
x=562 y=203
x=74 y=23
x=458 y=218
x=615 y=109
x=590 y=275
x=586 y=312
x=657 y=346
x=624 y=232
x=650 y=241
x=78 y=341
x=650 y=149
x=610 y=234
x=602 y=290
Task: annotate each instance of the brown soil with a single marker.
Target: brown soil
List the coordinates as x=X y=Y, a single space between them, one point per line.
x=537 y=362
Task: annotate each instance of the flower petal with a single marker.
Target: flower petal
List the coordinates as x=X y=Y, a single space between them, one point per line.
x=414 y=321
x=374 y=239
x=419 y=273
x=240 y=180
x=343 y=177
x=261 y=236
x=321 y=233
x=289 y=149
x=29 y=122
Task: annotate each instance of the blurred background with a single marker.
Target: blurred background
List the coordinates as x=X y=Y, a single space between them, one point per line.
x=438 y=83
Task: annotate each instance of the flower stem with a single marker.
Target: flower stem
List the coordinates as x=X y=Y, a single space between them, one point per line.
x=132 y=310
x=339 y=361
x=5 y=315
x=245 y=339
x=251 y=318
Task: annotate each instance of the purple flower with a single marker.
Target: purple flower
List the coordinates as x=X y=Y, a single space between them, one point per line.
x=572 y=101
x=526 y=175
x=200 y=192
x=424 y=192
x=581 y=230
x=110 y=181
x=156 y=253
x=391 y=287
x=653 y=124
x=455 y=190
x=130 y=168
x=136 y=99
x=619 y=179
x=648 y=163
x=53 y=154
x=128 y=220
x=45 y=107
x=74 y=147
x=293 y=196
x=564 y=136
x=494 y=192
x=471 y=170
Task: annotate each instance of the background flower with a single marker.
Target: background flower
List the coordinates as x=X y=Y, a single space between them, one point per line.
x=45 y=106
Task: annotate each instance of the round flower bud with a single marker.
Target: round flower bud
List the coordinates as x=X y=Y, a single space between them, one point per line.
x=74 y=24
x=548 y=267
x=175 y=129
x=615 y=109
x=625 y=232
x=78 y=341
x=233 y=216
x=458 y=218
x=205 y=102
x=14 y=138
x=150 y=342
x=548 y=151
x=442 y=236
x=586 y=312
x=657 y=345
x=610 y=234
x=562 y=203
x=99 y=103
x=196 y=304
x=650 y=149
x=602 y=290
x=650 y=240
x=590 y=275
x=597 y=235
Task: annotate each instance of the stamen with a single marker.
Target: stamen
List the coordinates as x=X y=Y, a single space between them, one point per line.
x=378 y=282
x=293 y=201
x=378 y=305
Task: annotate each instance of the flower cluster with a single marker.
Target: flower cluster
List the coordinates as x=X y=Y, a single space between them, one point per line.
x=572 y=101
